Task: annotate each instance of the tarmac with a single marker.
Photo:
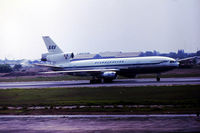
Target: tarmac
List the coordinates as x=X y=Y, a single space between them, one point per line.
x=100 y=123
x=117 y=82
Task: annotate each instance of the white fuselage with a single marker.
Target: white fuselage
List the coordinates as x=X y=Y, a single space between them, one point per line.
x=153 y=64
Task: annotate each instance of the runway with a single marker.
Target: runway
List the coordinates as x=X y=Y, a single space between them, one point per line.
x=99 y=123
x=117 y=82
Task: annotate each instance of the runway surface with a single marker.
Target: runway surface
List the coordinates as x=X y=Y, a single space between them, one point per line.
x=99 y=123
x=118 y=82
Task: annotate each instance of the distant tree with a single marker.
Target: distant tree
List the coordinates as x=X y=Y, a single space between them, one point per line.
x=172 y=55
x=149 y=53
x=5 y=68
x=97 y=56
x=155 y=53
x=142 y=54
x=198 y=53
x=17 y=67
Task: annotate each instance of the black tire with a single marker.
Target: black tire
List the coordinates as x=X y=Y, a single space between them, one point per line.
x=107 y=80
x=95 y=81
x=158 y=79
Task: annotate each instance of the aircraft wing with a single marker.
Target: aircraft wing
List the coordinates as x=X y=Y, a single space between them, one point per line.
x=74 y=72
x=82 y=71
x=189 y=58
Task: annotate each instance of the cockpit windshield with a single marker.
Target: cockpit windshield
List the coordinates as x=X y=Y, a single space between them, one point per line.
x=172 y=61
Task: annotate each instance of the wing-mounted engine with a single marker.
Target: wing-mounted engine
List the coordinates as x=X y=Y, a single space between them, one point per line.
x=57 y=58
x=109 y=75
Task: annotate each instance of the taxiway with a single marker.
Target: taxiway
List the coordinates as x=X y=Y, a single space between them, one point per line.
x=118 y=82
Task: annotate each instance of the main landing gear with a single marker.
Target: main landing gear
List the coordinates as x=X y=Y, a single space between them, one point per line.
x=100 y=80
x=95 y=81
x=158 y=77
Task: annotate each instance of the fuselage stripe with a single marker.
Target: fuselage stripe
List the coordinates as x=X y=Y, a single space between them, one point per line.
x=110 y=65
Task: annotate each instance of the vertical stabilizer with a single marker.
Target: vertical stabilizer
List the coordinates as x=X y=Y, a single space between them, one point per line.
x=51 y=46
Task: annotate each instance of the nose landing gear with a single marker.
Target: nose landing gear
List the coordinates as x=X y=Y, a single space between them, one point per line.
x=158 y=77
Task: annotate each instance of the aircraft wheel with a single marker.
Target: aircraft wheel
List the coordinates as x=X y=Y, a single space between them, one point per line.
x=158 y=77
x=94 y=81
x=107 y=80
x=91 y=81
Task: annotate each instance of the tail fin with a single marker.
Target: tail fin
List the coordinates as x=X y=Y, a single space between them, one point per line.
x=51 y=46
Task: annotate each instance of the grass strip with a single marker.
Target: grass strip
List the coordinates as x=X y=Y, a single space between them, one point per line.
x=146 y=95
x=42 y=78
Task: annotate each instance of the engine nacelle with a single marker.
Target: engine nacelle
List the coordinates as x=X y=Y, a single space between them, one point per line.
x=68 y=55
x=56 y=58
x=44 y=57
x=109 y=75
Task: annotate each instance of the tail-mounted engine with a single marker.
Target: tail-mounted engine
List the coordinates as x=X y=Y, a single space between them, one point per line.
x=69 y=55
x=57 y=58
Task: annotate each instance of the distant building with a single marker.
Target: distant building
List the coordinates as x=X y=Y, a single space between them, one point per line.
x=103 y=55
x=23 y=62
x=109 y=54
x=10 y=62
x=119 y=54
x=85 y=56
x=128 y=54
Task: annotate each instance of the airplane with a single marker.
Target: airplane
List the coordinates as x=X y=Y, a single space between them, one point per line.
x=103 y=70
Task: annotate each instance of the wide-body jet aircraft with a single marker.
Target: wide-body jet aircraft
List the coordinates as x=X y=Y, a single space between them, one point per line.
x=104 y=70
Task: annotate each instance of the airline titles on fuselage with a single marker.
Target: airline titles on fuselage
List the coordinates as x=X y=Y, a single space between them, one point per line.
x=109 y=62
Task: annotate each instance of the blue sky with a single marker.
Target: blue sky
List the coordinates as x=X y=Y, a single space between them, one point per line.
x=98 y=25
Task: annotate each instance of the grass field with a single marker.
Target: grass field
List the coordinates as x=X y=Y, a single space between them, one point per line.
x=184 y=99
x=42 y=78
x=148 y=95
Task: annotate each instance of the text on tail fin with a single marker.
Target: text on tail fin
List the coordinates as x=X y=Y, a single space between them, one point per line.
x=51 y=46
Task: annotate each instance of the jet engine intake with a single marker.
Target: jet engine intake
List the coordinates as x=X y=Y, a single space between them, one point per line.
x=44 y=57
x=69 y=55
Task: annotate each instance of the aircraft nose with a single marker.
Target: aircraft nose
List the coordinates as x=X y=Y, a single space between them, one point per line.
x=178 y=64
x=174 y=63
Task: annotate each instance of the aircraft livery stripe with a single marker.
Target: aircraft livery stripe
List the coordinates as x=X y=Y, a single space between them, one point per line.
x=128 y=65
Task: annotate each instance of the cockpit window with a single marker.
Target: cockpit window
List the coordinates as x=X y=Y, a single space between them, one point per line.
x=172 y=61
x=163 y=61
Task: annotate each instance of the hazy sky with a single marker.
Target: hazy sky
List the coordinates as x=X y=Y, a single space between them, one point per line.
x=98 y=25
